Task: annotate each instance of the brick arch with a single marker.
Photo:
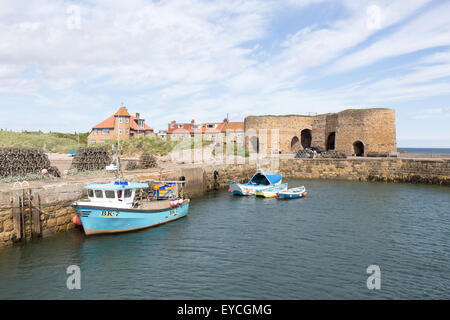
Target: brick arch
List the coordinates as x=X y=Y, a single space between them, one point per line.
x=306 y=138
x=331 y=141
x=295 y=144
x=254 y=142
x=358 y=148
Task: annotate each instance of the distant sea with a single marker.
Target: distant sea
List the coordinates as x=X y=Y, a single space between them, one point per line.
x=425 y=150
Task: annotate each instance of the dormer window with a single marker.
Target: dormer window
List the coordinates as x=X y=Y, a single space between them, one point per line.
x=210 y=126
x=180 y=126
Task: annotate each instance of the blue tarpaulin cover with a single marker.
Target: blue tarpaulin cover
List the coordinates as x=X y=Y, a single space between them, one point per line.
x=266 y=178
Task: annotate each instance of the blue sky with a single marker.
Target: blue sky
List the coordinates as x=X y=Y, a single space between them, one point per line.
x=67 y=65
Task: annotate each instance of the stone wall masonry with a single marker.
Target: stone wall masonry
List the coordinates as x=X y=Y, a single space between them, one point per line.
x=387 y=170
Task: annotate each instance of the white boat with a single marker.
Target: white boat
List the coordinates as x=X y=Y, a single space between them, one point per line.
x=293 y=193
x=259 y=181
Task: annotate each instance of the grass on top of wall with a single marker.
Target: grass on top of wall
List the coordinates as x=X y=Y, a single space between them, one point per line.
x=50 y=142
x=154 y=145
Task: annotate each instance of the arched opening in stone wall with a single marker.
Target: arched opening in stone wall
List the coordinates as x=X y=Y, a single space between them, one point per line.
x=358 y=148
x=254 y=141
x=331 y=140
x=295 y=144
x=306 y=138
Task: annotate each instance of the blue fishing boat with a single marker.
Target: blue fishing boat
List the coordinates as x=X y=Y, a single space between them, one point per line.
x=259 y=181
x=122 y=206
x=119 y=207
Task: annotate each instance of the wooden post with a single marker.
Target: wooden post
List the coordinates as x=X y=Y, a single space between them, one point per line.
x=22 y=213
x=35 y=214
x=16 y=212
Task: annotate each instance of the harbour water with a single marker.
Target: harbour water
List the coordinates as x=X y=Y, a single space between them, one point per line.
x=232 y=247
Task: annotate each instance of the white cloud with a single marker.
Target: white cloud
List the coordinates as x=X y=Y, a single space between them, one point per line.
x=432 y=29
x=203 y=59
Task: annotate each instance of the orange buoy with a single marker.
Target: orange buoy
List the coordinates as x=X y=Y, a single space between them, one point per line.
x=76 y=220
x=304 y=194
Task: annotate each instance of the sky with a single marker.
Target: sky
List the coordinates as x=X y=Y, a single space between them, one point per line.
x=68 y=65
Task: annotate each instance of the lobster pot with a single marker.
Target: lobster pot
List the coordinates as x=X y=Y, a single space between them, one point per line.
x=91 y=158
x=147 y=161
x=22 y=161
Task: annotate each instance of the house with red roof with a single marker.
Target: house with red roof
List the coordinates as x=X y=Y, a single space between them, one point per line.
x=222 y=132
x=120 y=126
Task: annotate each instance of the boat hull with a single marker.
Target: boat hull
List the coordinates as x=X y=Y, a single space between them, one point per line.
x=294 y=194
x=100 y=220
x=245 y=189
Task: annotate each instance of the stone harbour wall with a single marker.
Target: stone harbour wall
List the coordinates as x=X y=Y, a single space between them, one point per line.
x=387 y=170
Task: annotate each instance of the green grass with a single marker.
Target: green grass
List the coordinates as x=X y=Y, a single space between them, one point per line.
x=50 y=142
x=154 y=145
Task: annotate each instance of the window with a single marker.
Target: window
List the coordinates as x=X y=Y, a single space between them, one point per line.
x=98 y=193
x=194 y=126
x=210 y=126
x=128 y=120
x=127 y=193
x=120 y=131
x=180 y=126
x=119 y=194
x=93 y=142
x=105 y=131
x=128 y=131
x=90 y=193
x=96 y=131
x=102 y=141
x=110 y=194
x=120 y=119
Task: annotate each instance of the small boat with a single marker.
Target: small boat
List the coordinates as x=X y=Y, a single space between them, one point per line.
x=293 y=193
x=120 y=207
x=259 y=181
x=272 y=191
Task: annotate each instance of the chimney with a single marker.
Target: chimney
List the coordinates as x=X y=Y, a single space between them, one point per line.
x=137 y=115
